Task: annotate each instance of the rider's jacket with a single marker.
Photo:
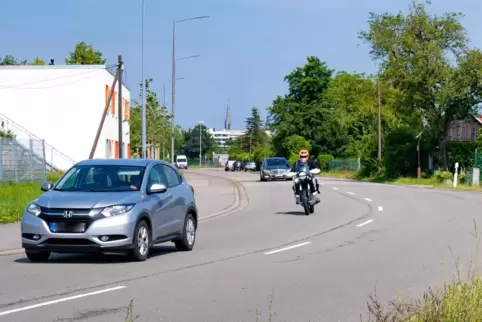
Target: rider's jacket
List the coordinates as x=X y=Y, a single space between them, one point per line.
x=312 y=164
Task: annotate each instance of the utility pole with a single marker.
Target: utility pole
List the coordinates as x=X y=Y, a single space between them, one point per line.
x=104 y=114
x=200 y=142
x=379 y=121
x=119 y=100
x=173 y=80
x=164 y=95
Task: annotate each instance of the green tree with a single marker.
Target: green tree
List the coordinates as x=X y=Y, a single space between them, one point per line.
x=255 y=135
x=8 y=60
x=85 y=54
x=192 y=141
x=158 y=133
x=301 y=111
x=414 y=53
x=38 y=61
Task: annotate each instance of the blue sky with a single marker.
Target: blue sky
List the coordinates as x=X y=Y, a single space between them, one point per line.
x=246 y=46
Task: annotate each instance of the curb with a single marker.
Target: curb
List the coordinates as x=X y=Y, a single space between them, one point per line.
x=235 y=206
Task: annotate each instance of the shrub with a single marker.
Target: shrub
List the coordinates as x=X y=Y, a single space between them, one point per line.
x=324 y=159
x=444 y=175
x=462 y=178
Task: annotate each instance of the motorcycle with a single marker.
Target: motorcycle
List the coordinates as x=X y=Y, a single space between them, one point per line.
x=303 y=178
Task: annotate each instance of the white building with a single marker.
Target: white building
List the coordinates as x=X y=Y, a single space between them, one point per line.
x=63 y=105
x=223 y=135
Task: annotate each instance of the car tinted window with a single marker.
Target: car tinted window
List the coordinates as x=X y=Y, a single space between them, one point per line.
x=101 y=178
x=171 y=176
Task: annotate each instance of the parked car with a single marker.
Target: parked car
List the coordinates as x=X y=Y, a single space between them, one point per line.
x=250 y=165
x=238 y=166
x=229 y=165
x=181 y=162
x=116 y=205
x=274 y=168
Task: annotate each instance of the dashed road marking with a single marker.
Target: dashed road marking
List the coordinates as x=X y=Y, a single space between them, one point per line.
x=25 y=308
x=365 y=223
x=380 y=208
x=335 y=188
x=350 y=193
x=287 y=248
x=368 y=199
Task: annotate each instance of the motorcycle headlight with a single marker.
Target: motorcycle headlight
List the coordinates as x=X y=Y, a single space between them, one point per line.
x=302 y=175
x=34 y=209
x=116 y=210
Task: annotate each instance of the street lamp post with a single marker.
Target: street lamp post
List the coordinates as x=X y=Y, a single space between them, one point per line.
x=143 y=91
x=200 y=141
x=173 y=80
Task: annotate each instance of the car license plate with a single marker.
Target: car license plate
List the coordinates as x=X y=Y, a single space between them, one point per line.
x=63 y=227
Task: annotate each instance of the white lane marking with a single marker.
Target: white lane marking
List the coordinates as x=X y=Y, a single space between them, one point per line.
x=61 y=300
x=367 y=199
x=335 y=188
x=287 y=248
x=350 y=193
x=365 y=223
x=380 y=208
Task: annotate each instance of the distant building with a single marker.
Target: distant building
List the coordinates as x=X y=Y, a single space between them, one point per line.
x=222 y=136
x=62 y=105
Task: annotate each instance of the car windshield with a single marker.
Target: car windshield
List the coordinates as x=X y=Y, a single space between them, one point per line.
x=101 y=178
x=181 y=160
x=276 y=163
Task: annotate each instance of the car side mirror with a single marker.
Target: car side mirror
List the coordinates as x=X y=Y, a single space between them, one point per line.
x=46 y=186
x=157 y=188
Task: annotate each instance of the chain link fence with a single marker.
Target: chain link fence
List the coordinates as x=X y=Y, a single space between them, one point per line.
x=22 y=161
x=347 y=165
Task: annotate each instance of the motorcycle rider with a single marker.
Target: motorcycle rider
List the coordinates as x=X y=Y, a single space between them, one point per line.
x=312 y=164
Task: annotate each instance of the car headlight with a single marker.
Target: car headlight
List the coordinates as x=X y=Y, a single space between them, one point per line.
x=302 y=175
x=34 y=209
x=116 y=210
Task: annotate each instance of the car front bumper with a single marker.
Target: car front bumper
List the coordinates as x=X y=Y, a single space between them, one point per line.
x=274 y=176
x=119 y=229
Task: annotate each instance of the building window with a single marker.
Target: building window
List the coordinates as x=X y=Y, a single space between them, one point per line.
x=107 y=149
x=126 y=110
x=114 y=95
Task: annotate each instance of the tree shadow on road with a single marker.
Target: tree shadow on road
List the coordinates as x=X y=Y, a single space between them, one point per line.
x=292 y=213
x=57 y=258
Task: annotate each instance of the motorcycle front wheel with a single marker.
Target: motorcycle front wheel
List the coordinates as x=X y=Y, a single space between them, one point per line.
x=306 y=205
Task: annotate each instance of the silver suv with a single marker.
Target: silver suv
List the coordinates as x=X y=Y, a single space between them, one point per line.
x=117 y=205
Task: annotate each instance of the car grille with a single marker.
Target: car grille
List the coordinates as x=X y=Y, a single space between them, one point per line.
x=55 y=215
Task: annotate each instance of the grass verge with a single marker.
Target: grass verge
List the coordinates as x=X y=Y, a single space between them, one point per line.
x=457 y=300
x=15 y=197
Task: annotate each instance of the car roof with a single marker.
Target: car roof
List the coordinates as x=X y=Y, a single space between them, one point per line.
x=121 y=162
x=275 y=158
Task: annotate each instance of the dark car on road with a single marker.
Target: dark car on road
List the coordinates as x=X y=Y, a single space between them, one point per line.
x=274 y=168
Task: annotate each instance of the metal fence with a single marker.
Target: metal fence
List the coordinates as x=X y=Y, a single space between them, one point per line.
x=55 y=159
x=348 y=165
x=22 y=161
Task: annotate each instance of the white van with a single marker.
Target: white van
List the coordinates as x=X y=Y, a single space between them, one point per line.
x=181 y=162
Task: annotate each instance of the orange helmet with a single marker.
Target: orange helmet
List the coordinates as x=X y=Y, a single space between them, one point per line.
x=304 y=155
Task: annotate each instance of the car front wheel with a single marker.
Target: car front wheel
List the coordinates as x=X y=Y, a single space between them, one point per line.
x=37 y=256
x=188 y=238
x=142 y=242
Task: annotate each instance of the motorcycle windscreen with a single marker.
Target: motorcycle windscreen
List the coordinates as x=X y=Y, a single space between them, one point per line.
x=303 y=167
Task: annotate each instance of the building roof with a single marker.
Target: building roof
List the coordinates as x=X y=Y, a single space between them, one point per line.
x=74 y=67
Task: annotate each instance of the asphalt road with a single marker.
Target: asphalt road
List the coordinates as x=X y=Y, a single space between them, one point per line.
x=320 y=267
